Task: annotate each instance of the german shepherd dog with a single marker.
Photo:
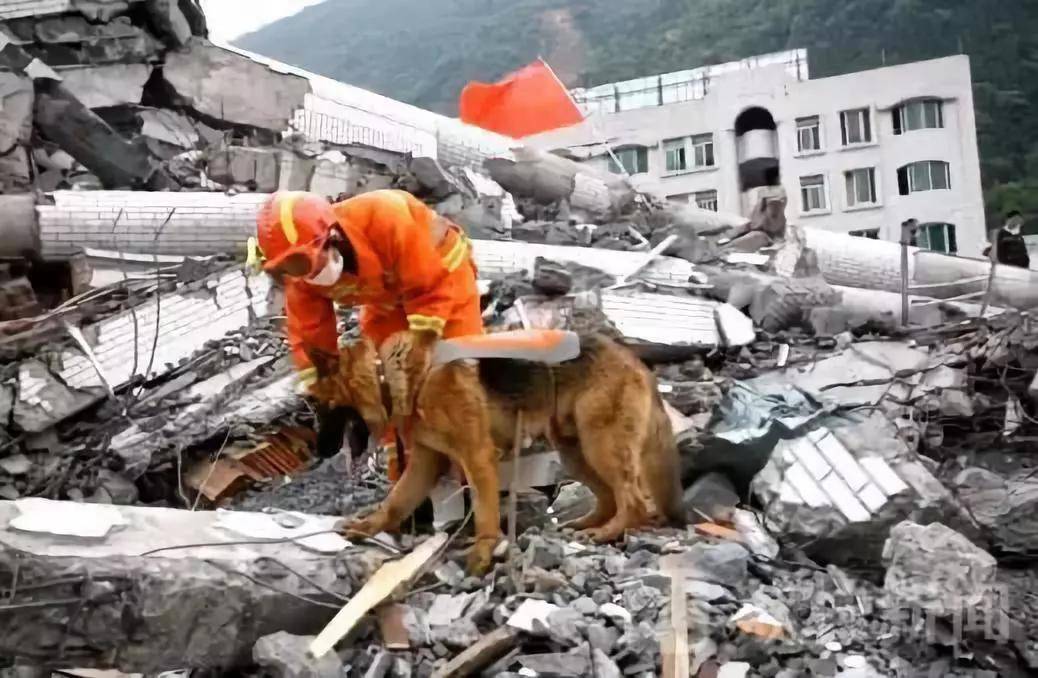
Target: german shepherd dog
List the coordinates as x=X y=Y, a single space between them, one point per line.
x=601 y=411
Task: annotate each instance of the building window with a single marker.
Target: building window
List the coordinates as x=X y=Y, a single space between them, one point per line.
x=707 y=200
x=861 y=187
x=856 y=126
x=676 y=155
x=635 y=160
x=923 y=114
x=928 y=175
x=812 y=194
x=937 y=237
x=809 y=134
x=680 y=198
x=703 y=150
x=870 y=233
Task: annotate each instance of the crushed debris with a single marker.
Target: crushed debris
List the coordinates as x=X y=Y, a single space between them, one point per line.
x=860 y=491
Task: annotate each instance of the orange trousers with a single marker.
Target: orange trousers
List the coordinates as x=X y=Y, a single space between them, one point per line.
x=465 y=320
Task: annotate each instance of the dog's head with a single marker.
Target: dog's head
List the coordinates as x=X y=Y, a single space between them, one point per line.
x=351 y=379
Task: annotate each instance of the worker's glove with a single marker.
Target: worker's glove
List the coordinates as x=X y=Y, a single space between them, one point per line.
x=406 y=357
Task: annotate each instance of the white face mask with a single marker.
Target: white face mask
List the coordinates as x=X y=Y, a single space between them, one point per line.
x=332 y=271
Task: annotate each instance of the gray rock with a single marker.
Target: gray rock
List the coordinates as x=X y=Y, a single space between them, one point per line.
x=15 y=465
x=603 y=666
x=710 y=497
x=706 y=591
x=566 y=627
x=602 y=637
x=936 y=568
x=585 y=606
x=542 y=553
x=573 y=501
x=458 y=636
x=287 y=656
x=723 y=563
x=531 y=510
x=640 y=597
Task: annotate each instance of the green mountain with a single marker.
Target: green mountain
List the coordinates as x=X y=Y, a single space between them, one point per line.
x=424 y=51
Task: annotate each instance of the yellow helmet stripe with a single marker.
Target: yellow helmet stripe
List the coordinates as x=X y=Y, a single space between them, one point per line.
x=288 y=222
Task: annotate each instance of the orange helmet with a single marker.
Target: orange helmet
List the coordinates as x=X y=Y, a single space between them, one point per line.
x=292 y=228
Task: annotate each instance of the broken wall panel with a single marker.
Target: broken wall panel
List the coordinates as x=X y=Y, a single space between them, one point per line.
x=187 y=319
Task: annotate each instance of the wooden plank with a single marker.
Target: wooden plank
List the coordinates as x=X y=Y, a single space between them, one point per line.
x=485 y=652
x=378 y=588
x=675 y=646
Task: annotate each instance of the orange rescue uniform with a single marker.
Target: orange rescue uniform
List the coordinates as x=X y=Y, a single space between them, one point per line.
x=414 y=271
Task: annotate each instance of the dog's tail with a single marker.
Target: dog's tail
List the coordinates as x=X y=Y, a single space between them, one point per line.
x=662 y=466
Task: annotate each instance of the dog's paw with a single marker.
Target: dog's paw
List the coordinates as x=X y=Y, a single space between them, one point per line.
x=480 y=557
x=365 y=527
x=602 y=535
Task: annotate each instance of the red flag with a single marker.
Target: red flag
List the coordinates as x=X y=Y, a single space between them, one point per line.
x=528 y=101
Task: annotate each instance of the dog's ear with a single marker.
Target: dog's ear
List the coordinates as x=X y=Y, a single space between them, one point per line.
x=326 y=364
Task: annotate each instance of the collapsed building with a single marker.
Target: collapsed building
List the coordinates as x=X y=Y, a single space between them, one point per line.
x=859 y=487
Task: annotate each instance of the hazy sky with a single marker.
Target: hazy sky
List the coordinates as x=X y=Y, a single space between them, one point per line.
x=229 y=19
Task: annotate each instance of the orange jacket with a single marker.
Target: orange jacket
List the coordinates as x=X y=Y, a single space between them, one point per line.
x=405 y=258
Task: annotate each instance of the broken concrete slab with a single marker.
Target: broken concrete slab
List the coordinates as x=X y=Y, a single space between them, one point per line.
x=156 y=612
x=256 y=168
x=1005 y=506
x=862 y=374
x=107 y=85
x=43 y=398
x=285 y=656
x=936 y=568
x=229 y=88
x=169 y=127
x=840 y=488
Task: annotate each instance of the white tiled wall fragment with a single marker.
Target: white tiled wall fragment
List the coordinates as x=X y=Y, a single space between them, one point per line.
x=818 y=471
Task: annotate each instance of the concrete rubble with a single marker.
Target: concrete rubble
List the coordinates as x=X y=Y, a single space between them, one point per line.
x=854 y=485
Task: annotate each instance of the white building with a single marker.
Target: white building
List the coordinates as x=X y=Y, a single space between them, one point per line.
x=857 y=153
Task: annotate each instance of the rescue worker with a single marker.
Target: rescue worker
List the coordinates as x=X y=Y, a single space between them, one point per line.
x=408 y=269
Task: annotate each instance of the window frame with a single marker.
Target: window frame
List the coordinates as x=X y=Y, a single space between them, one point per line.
x=821 y=188
x=906 y=177
x=902 y=117
x=873 y=185
x=948 y=235
x=706 y=197
x=865 y=118
x=816 y=127
x=620 y=154
x=706 y=141
x=677 y=144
